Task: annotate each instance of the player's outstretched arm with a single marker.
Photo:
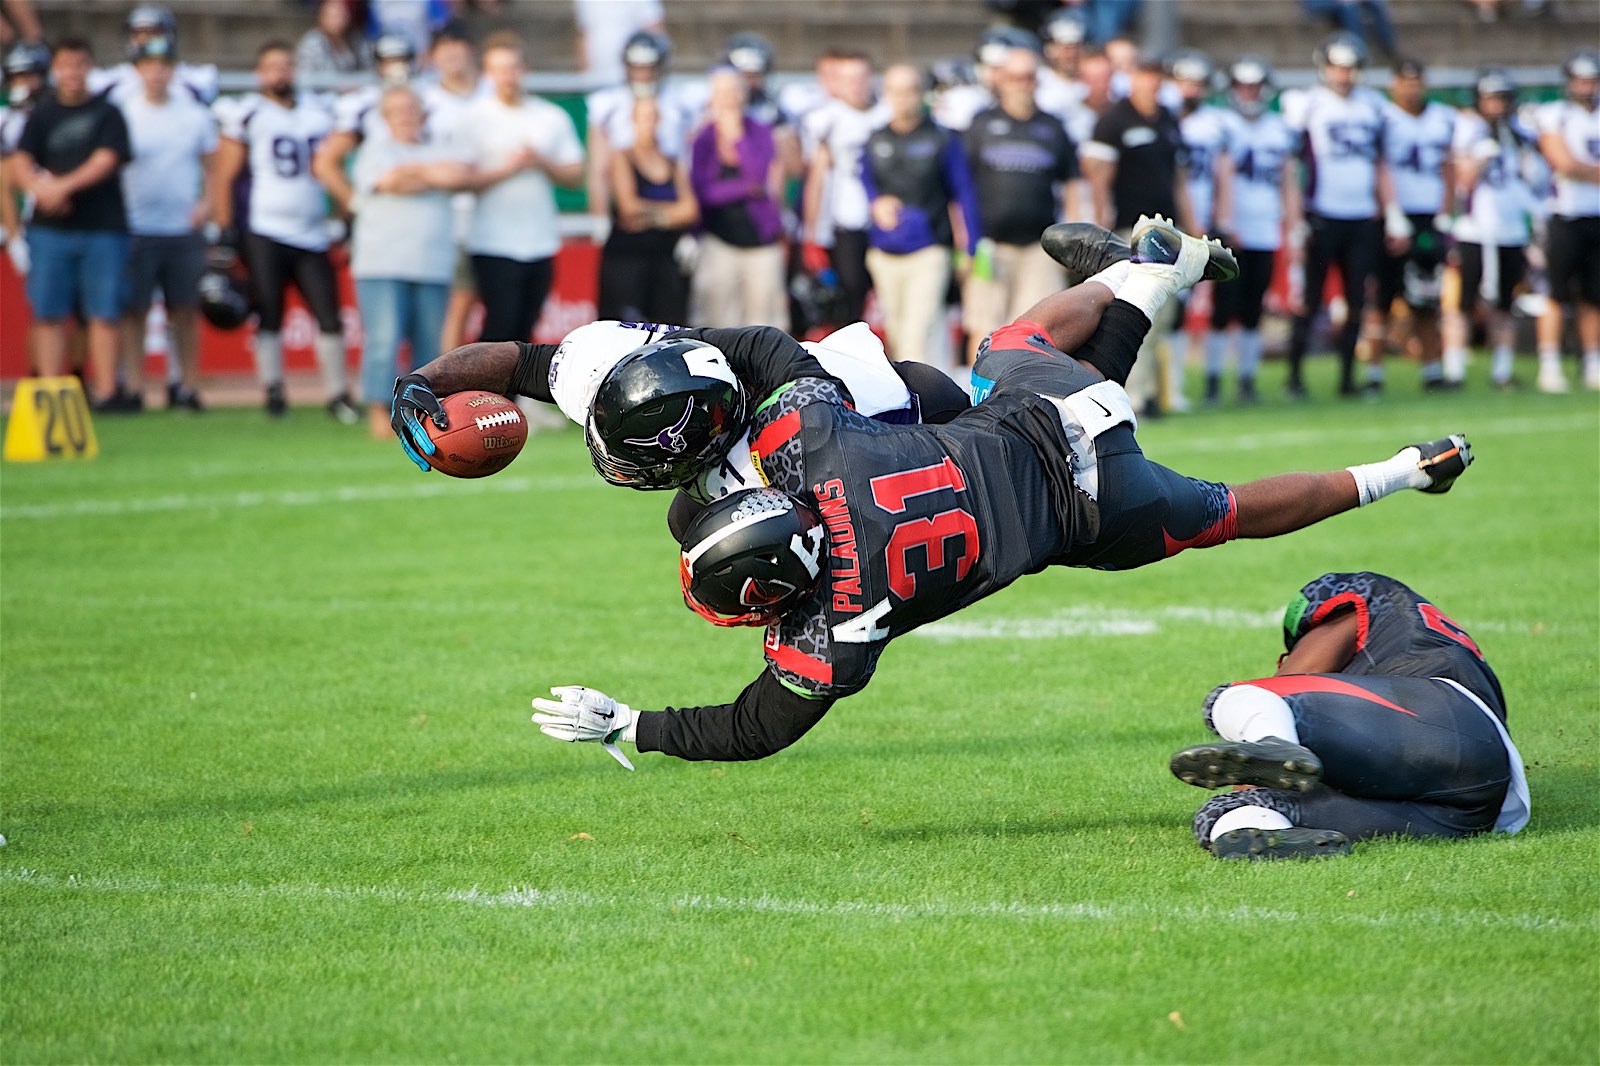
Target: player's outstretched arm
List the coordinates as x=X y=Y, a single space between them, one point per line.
x=766 y=718
x=493 y=366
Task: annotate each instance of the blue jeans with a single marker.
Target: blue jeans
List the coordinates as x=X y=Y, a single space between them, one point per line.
x=394 y=310
x=77 y=270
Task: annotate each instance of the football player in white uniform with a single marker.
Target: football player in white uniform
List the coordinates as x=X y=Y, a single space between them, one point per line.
x=1204 y=132
x=1498 y=170
x=122 y=81
x=272 y=135
x=26 y=67
x=1348 y=191
x=1569 y=137
x=1416 y=143
x=1257 y=201
x=356 y=117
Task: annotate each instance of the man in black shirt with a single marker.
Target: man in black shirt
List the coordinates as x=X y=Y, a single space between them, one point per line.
x=1018 y=156
x=869 y=530
x=68 y=159
x=1135 y=166
x=1383 y=719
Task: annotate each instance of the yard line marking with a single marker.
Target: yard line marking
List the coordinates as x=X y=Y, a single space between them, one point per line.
x=296 y=497
x=1504 y=427
x=528 y=897
x=1093 y=620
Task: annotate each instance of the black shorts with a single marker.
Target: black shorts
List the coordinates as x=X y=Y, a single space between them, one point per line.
x=1572 y=249
x=172 y=264
x=1513 y=267
x=1426 y=254
x=1242 y=299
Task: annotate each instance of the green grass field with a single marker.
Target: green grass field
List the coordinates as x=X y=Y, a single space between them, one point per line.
x=272 y=795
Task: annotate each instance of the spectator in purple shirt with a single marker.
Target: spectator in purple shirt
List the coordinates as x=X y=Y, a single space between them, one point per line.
x=737 y=177
x=916 y=177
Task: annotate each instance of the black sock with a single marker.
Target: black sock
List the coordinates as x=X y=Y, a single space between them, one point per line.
x=1113 y=347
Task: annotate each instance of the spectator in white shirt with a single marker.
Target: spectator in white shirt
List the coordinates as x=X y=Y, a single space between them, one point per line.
x=514 y=236
x=174 y=141
x=402 y=255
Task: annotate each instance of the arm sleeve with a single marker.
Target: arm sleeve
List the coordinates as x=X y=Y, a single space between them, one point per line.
x=532 y=375
x=958 y=178
x=766 y=718
x=765 y=358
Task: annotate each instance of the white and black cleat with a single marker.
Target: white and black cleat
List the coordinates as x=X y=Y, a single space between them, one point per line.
x=1266 y=845
x=1443 y=461
x=1267 y=763
x=1158 y=240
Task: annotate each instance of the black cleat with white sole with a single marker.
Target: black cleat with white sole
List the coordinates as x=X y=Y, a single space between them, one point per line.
x=1266 y=763
x=1158 y=240
x=1266 y=845
x=1444 y=461
x=1084 y=248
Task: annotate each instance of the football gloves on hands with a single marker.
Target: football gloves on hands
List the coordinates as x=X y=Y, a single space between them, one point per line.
x=414 y=398
x=585 y=714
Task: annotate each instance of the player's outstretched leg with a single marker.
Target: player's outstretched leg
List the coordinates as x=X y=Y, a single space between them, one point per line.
x=1260 y=824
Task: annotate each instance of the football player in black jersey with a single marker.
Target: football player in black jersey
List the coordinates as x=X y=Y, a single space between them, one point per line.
x=869 y=530
x=1382 y=720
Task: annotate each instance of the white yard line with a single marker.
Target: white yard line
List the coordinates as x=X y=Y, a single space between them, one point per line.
x=529 y=898
x=1092 y=620
x=439 y=486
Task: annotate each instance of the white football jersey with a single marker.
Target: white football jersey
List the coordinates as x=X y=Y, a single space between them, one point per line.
x=845 y=129
x=1580 y=129
x=1342 y=141
x=1498 y=205
x=357 y=112
x=12 y=119
x=958 y=105
x=1205 y=138
x=853 y=354
x=1260 y=149
x=122 y=81
x=611 y=111
x=287 y=204
x=1416 y=147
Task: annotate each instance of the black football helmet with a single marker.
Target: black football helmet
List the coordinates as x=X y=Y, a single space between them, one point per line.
x=1582 y=65
x=751 y=557
x=151 y=18
x=748 y=53
x=646 y=48
x=1191 y=64
x=1249 y=70
x=665 y=413
x=1343 y=49
x=996 y=42
x=223 y=300
x=27 y=57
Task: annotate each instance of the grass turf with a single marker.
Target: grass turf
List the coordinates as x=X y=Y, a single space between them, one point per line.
x=272 y=794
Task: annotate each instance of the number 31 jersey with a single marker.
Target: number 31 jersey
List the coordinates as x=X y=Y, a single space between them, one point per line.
x=921 y=520
x=286 y=203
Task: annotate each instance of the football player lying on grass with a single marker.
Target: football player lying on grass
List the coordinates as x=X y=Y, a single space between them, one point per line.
x=1382 y=720
x=870 y=530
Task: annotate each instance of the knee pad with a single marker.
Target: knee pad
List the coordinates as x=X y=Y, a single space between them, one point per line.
x=1211 y=702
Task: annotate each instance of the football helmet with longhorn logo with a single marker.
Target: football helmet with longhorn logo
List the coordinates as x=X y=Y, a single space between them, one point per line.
x=665 y=413
x=751 y=557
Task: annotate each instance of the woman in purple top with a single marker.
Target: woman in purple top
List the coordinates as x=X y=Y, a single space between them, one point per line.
x=737 y=178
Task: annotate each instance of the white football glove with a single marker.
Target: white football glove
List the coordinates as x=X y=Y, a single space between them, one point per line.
x=586 y=714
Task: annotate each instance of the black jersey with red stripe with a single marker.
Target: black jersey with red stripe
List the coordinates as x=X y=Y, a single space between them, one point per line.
x=1398 y=632
x=921 y=520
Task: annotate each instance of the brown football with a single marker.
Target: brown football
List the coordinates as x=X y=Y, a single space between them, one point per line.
x=486 y=432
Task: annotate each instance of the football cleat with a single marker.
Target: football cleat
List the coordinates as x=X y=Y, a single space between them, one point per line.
x=1444 y=461
x=1158 y=240
x=1084 y=248
x=1552 y=380
x=1263 y=845
x=1267 y=763
x=276 y=405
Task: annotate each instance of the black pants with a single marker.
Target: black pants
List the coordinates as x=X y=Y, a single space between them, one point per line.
x=1572 y=248
x=1242 y=299
x=849 y=258
x=1513 y=267
x=513 y=294
x=274 y=266
x=1353 y=247
x=1400 y=755
x=640 y=282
